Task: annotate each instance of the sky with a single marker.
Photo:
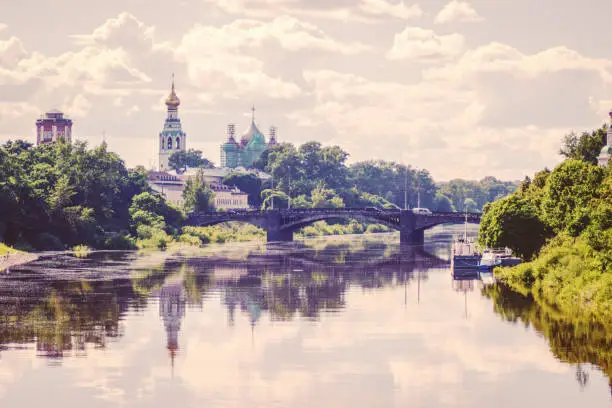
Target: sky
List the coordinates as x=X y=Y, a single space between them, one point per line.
x=464 y=89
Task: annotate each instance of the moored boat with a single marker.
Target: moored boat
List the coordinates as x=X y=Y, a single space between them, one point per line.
x=465 y=257
x=492 y=258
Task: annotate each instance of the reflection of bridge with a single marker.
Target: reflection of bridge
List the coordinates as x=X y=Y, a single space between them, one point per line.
x=280 y=224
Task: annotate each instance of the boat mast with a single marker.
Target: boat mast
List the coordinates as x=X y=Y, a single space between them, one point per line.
x=465 y=228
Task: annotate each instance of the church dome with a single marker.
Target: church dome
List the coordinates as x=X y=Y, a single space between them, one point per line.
x=252 y=132
x=173 y=101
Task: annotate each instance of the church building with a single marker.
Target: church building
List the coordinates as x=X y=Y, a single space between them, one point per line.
x=606 y=151
x=252 y=144
x=172 y=138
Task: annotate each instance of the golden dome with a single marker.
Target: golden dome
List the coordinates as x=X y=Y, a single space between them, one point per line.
x=173 y=101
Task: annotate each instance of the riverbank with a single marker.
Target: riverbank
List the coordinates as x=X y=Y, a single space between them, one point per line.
x=569 y=275
x=11 y=260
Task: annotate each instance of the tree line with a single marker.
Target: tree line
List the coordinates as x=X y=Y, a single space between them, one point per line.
x=561 y=221
x=312 y=175
x=59 y=195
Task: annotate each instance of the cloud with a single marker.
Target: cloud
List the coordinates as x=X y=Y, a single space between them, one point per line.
x=11 y=52
x=365 y=11
x=125 y=31
x=384 y=8
x=457 y=11
x=79 y=106
x=416 y=43
x=14 y=110
x=230 y=59
x=3 y=27
x=521 y=89
x=498 y=57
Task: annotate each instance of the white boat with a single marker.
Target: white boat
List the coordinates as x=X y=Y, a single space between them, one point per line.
x=465 y=255
x=492 y=258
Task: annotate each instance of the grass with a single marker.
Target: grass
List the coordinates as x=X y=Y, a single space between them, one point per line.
x=5 y=250
x=81 y=251
x=569 y=275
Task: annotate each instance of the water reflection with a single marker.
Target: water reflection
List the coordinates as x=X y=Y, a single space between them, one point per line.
x=574 y=340
x=370 y=305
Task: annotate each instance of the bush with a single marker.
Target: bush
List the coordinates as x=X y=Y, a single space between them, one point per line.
x=190 y=240
x=120 y=242
x=81 y=251
x=47 y=242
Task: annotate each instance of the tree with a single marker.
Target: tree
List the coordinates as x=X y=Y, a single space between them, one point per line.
x=585 y=147
x=569 y=190
x=197 y=194
x=326 y=198
x=513 y=222
x=181 y=160
x=248 y=183
x=443 y=203
x=470 y=205
x=274 y=199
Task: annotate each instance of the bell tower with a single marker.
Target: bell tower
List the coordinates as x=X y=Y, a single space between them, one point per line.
x=172 y=139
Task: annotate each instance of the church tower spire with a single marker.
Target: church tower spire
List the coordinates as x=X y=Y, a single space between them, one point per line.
x=172 y=138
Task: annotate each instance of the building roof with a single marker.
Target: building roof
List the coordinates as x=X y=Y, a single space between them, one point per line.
x=222 y=187
x=162 y=176
x=216 y=172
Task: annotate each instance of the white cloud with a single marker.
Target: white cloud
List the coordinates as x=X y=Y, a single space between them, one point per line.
x=3 y=26
x=79 y=106
x=14 y=110
x=497 y=57
x=229 y=59
x=11 y=52
x=457 y=11
x=385 y=8
x=424 y=45
x=366 y=11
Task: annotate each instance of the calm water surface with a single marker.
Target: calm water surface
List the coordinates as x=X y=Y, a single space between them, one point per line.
x=344 y=322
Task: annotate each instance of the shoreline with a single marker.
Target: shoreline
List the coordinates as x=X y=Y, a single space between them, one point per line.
x=11 y=260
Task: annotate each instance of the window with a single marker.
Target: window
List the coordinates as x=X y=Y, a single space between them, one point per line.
x=169 y=143
x=178 y=142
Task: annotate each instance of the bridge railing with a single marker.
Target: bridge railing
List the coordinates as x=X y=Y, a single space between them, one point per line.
x=300 y=211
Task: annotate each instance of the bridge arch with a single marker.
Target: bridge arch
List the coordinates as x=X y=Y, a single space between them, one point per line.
x=280 y=224
x=309 y=220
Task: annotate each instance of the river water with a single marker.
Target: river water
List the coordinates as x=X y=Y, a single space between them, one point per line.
x=337 y=322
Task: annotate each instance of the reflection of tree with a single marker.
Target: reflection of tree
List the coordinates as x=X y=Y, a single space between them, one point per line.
x=67 y=316
x=573 y=339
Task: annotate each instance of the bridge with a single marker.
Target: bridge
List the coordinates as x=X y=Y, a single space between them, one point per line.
x=280 y=224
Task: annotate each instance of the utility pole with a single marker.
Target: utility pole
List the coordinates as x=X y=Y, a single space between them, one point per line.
x=418 y=175
x=272 y=199
x=289 y=195
x=406 y=188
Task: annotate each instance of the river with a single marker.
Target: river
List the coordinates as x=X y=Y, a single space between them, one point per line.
x=338 y=322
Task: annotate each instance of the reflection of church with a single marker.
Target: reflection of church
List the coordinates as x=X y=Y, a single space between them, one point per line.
x=172 y=311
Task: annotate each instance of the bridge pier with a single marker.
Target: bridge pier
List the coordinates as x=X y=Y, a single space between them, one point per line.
x=277 y=235
x=274 y=228
x=409 y=234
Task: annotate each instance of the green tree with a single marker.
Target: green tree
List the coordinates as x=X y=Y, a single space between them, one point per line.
x=197 y=194
x=274 y=199
x=181 y=160
x=248 y=183
x=513 y=222
x=443 y=203
x=585 y=147
x=568 y=193
x=326 y=198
